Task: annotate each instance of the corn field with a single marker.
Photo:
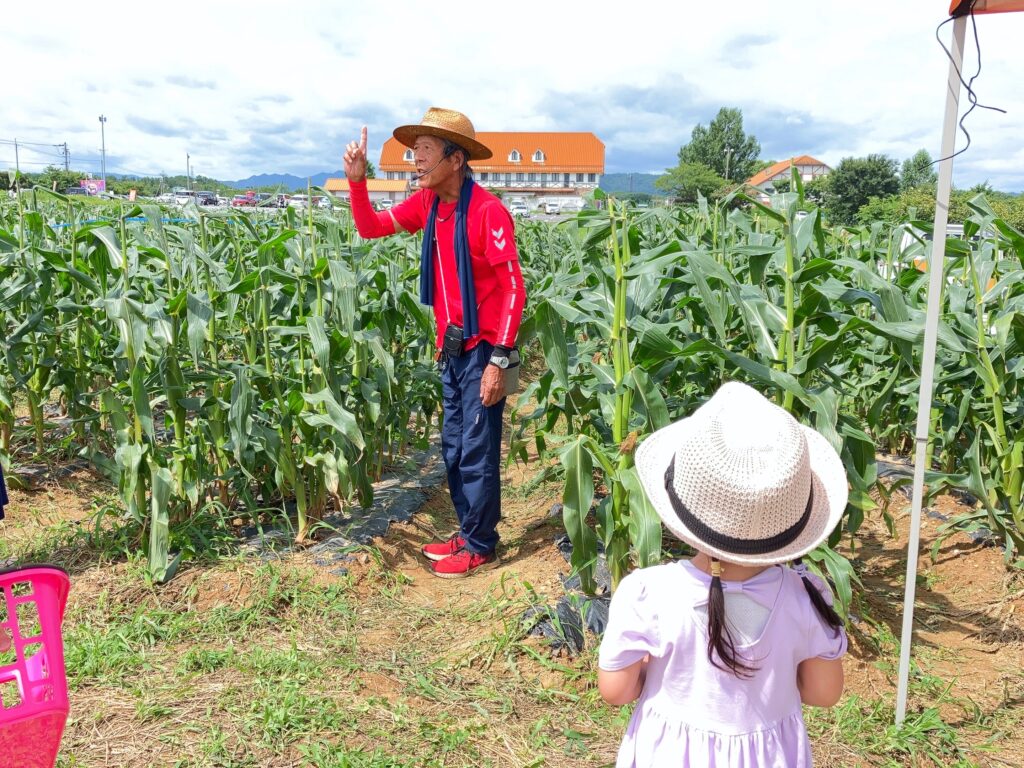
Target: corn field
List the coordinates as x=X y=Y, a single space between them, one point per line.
x=642 y=316
x=236 y=363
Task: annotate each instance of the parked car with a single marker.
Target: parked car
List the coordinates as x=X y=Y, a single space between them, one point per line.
x=299 y=201
x=76 y=191
x=242 y=201
x=206 y=198
x=552 y=206
x=325 y=202
x=519 y=209
x=384 y=205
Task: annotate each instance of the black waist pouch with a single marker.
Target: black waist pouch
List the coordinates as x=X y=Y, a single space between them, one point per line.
x=452 y=342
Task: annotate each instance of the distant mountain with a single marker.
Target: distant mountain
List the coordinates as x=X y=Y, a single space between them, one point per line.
x=619 y=183
x=283 y=180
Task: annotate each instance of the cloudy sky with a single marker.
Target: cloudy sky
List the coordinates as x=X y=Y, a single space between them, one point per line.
x=279 y=87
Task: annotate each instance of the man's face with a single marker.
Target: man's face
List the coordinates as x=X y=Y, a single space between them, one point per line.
x=427 y=151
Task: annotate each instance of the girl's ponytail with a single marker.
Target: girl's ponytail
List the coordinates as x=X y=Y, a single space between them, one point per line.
x=720 y=640
x=826 y=611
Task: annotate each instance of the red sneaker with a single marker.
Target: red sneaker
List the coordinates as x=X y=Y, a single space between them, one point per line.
x=439 y=550
x=464 y=563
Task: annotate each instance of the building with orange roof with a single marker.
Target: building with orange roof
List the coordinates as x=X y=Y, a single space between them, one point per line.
x=808 y=167
x=555 y=165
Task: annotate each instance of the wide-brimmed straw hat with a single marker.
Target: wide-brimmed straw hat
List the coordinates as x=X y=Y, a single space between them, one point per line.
x=743 y=481
x=445 y=124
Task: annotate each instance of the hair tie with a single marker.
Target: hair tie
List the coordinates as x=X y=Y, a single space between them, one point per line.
x=716 y=569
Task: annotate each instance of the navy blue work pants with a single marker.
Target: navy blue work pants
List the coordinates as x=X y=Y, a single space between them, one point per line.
x=471 y=445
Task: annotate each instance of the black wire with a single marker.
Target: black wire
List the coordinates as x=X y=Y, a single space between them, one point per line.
x=971 y=95
x=29 y=143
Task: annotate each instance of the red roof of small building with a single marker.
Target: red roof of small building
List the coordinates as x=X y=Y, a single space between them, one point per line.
x=781 y=167
x=372 y=185
x=561 y=152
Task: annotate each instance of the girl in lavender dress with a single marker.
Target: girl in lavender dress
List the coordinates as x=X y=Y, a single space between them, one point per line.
x=721 y=650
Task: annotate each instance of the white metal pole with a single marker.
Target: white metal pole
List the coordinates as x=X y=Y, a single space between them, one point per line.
x=103 y=151
x=924 y=407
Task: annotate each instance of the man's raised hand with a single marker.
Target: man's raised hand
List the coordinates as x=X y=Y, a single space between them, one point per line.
x=355 y=158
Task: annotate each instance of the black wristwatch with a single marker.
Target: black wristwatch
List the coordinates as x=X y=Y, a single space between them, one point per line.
x=501 y=357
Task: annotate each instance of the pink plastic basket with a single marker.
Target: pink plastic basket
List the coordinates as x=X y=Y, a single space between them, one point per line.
x=33 y=686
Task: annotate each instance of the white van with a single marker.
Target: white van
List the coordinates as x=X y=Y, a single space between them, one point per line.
x=184 y=196
x=299 y=201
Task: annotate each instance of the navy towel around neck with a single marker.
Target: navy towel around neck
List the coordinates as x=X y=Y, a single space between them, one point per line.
x=463 y=262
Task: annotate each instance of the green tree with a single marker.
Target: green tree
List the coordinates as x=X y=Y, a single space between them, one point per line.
x=371 y=170
x=918 y=171
x=635 y=197
x=687 y=181
x=723 y=147
x=816 y=189
x=854 y=182
x=57 y=178
x=919 y=203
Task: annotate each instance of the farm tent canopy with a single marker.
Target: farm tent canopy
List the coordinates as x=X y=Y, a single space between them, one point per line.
x=960 y=7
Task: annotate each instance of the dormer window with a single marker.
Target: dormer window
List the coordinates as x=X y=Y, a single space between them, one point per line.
x=408 y=156
x=514 y=156
x=538 y=156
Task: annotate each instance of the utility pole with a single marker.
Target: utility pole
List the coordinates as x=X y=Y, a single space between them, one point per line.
x=17 y=167
x=64 y=150
x=103 y=151
x=188 y=171
x=728 y=156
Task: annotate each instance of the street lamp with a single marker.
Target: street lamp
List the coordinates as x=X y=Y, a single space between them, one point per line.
x=103 y=152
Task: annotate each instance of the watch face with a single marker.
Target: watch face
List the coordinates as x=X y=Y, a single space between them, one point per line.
x=501 y=362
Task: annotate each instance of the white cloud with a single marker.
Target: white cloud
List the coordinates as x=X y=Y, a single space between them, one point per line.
x=269 y=86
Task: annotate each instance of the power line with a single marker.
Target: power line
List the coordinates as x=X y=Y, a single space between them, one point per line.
x=21 y=143
x=41 y=152
x=12 y=161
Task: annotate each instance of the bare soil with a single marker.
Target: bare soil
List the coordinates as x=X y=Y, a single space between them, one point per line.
x=969 y=631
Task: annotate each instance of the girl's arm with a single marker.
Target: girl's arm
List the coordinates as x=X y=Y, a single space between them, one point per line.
x=820 y=681
x=623 y=685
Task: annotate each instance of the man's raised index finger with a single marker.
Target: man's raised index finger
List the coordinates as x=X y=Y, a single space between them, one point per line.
x=362 y=139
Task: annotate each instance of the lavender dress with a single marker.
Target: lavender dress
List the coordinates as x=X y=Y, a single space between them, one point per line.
x=691 y=714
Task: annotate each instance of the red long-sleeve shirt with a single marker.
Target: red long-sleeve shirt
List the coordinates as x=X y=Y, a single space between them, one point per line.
x=500 y=293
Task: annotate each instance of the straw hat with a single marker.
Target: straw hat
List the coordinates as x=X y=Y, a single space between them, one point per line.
x=445 y=124
x=743 y=481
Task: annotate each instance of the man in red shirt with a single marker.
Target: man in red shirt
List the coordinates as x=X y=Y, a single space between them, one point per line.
x=469 y=272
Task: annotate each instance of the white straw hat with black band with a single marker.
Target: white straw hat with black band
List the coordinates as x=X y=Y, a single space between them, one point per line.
x=743 y=481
